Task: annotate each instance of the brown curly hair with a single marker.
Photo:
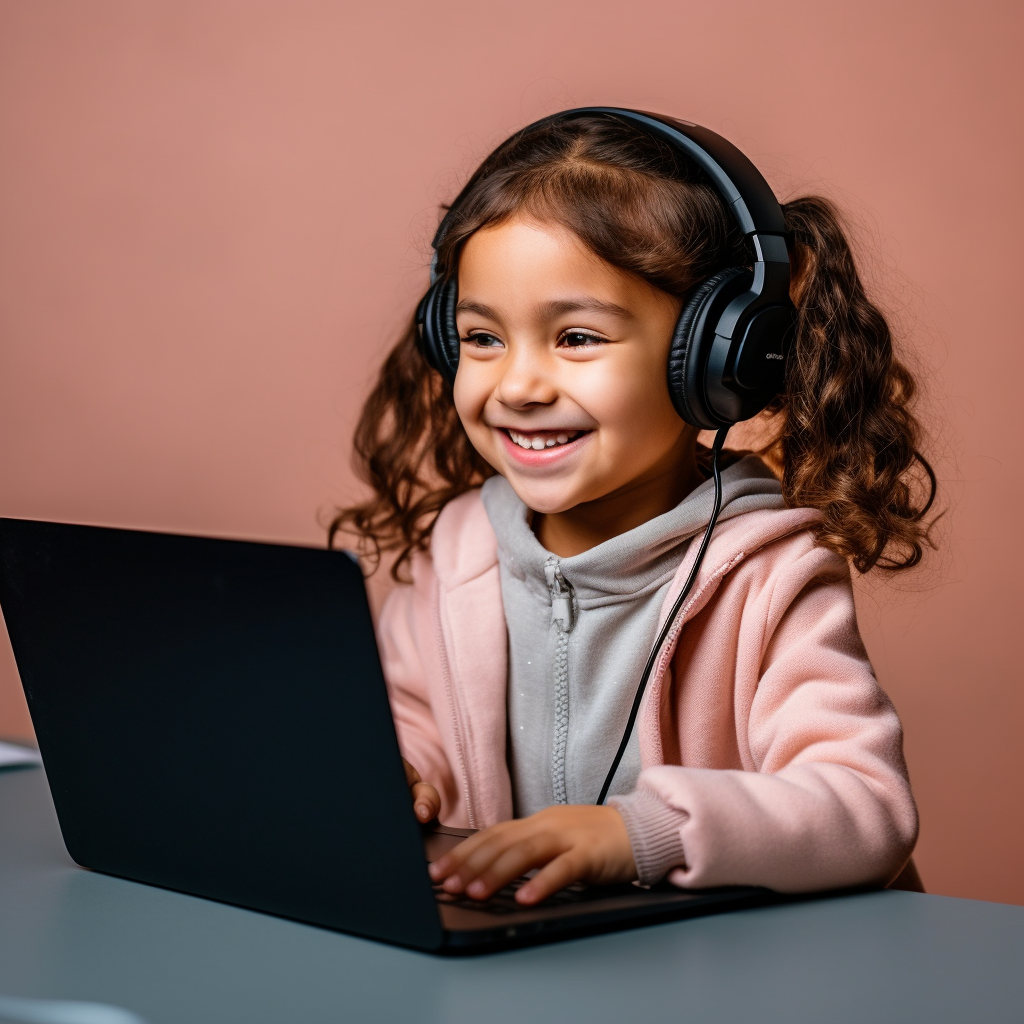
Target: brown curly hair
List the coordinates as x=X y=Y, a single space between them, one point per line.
x=843 y=437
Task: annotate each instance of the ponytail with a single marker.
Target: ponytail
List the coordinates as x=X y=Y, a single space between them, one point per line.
x=848 y=442
x=410 y=447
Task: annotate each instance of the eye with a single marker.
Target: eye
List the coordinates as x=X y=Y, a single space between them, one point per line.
x=482 y=340
x=580 y=339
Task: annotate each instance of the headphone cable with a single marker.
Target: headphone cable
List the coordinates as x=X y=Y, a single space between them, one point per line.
x=716 y=449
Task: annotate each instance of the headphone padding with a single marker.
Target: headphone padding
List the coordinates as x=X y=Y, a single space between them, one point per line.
x=448 y=331
x=439 y=337
x=688 y=354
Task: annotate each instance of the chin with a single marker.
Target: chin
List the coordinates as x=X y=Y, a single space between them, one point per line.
x=541 y=499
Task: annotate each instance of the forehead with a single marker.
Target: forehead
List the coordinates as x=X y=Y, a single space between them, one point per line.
x=523 y=260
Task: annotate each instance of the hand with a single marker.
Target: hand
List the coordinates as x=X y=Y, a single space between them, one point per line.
x=425 y=799
x=568 y=843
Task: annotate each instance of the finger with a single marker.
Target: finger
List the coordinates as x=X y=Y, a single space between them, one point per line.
x=562 y=871
x=477 y=852
x=504 y=857
x=426 y=801
x=512 y=863
x=450 y=862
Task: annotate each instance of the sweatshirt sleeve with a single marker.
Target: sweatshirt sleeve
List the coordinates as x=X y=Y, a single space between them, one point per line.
x=655 y=833
x=406 y=675
x=826 y=802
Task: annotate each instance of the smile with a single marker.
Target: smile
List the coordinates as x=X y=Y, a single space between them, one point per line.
x=543 y=439
x=538 y=449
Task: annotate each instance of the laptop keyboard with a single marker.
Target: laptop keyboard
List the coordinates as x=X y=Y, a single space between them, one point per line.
x=504 y=900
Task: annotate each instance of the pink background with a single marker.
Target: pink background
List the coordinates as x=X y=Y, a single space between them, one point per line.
x=214 y=216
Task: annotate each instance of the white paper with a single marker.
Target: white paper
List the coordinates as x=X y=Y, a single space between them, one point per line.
x=12 y=754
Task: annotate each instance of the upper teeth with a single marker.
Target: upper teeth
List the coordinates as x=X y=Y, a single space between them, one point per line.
x=537 y=442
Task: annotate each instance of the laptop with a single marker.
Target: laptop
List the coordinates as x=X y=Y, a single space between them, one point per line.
x=212 y=718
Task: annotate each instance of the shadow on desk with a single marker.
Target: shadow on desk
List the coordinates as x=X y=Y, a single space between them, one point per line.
x=908 y=880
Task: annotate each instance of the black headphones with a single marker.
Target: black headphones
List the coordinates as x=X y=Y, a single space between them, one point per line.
x=727 y=359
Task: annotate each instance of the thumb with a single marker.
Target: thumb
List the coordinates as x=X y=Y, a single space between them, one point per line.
x=426 y=801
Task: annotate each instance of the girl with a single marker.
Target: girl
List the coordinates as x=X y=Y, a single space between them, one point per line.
x=542 y=509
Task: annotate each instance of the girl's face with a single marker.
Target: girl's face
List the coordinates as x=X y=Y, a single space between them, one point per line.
x=561 y=384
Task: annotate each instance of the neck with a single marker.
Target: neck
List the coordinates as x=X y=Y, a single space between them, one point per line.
x=592 y=522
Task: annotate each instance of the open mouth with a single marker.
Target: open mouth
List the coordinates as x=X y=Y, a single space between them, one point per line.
x=538 y=440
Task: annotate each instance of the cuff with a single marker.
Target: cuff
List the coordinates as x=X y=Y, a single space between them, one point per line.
x=654 y=833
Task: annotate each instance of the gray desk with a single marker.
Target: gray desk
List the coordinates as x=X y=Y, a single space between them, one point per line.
x=66 y=933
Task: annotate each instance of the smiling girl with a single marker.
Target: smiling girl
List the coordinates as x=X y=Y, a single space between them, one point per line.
x=547 y=510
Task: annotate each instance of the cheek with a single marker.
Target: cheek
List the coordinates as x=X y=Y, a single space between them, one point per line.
x=470 y=392
x=632 y=402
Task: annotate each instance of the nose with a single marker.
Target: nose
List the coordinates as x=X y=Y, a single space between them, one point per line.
x=526 y=379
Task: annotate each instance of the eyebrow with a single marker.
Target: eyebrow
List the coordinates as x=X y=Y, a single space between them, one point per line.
x=557 y=307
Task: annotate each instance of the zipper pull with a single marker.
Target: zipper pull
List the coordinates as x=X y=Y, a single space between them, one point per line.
x=561 y=596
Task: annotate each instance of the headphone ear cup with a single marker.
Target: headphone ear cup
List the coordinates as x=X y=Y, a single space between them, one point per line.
x=449 y=330
x=438 y=334
x=692 y=342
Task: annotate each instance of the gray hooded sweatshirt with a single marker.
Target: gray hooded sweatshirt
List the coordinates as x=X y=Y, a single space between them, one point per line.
x=581 y=628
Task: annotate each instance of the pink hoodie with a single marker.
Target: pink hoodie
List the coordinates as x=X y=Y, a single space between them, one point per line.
x=763 y=727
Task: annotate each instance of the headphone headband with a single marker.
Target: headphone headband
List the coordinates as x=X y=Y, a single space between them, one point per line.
x=736 y=179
